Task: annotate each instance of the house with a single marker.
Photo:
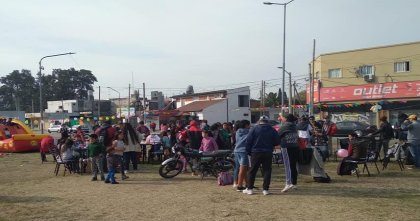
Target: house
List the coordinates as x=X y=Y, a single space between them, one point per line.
x=216 y=106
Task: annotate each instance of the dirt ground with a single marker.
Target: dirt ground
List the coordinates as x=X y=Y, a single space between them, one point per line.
x=30 y=191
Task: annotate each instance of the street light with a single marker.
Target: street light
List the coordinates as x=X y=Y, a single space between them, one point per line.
x=290 y=89
x=41 y=111
x=284 y=46
x=119 y=98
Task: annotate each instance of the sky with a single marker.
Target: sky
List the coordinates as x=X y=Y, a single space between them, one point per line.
x=210 y=44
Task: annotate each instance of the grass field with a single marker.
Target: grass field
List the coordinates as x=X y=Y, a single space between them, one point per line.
x=30 y=191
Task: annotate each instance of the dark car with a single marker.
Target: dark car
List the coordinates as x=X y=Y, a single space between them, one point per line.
x=344 y=128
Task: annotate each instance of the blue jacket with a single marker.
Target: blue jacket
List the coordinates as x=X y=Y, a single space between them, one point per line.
x=262 y=138
x=241 y=135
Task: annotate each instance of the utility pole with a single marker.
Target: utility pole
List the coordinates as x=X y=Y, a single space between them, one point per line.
x=144 y=101
x=129 y=101
x=99 y=103
x=312 y=82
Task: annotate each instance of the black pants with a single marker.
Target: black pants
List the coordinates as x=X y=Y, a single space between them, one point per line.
x=293 y=158
x=130 y=156
x=258 y=159
x=384 y=144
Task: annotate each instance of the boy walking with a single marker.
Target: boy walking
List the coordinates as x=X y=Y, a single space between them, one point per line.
x=96 y=154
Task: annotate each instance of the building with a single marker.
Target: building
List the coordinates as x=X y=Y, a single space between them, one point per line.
x=216 y=106
x=368 y=83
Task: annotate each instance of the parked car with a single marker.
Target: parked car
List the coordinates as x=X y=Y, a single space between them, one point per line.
x=344 y=128
x=85 y=128
x=54 y=128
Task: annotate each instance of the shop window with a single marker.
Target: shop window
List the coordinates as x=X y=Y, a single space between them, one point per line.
x=334 y=73
x=402 y=66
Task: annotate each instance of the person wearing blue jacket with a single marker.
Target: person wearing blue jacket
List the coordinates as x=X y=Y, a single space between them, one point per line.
x=241 y=156
x=260 y=143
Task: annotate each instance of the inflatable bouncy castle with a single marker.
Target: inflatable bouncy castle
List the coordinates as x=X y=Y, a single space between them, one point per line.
x=15 y=137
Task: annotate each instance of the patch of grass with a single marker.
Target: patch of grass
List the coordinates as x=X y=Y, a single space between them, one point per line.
x=30 y=191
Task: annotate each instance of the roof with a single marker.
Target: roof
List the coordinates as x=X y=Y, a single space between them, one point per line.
x=371 y=48
x=198 y=94
x=198 y=106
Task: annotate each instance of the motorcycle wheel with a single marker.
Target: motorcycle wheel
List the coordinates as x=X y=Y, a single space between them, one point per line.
x=171 y=169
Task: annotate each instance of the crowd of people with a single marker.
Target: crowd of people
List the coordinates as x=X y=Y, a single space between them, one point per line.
x=113 y=147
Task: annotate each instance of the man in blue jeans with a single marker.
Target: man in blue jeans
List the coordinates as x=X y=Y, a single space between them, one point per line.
x=260 y=143
x=412 y=125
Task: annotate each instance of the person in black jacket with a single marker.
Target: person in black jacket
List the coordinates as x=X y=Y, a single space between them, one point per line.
x=290 y=150
x=386 y=133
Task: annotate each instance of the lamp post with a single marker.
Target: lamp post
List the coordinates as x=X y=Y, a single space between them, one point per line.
x=41 y=111
x=290 y=90
x=119 y=98
x=284 y=46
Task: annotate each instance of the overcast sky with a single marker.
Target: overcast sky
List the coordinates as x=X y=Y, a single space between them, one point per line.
x=210 y=44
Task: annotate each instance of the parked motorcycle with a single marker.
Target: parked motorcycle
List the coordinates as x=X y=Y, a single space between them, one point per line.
x=203 y=163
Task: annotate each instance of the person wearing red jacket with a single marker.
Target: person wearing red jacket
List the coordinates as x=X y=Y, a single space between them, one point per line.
x=194 y=135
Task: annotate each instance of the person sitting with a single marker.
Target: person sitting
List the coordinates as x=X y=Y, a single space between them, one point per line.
x=356 y=150
x=68 y=157
x=208 y=144
x=155 y=141
x=7 y=133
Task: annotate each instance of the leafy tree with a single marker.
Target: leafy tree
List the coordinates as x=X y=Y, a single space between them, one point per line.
x=286 y=99
x=71 y=84
x=18 y=90
x=271 y=100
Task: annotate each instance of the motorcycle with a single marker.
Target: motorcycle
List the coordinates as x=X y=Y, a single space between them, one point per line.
x=204 y=163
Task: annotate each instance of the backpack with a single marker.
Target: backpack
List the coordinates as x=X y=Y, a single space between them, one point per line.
x=103 y=136
x=224 y=178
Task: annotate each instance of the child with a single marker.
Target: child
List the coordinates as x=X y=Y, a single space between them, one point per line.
x=208 y=144
x=114 y=158
x=96 y=153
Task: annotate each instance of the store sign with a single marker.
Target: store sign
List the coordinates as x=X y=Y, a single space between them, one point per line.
x=371 y=91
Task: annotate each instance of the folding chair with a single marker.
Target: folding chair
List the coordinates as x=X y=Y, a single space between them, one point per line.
x=366 y=157
x=59 y=161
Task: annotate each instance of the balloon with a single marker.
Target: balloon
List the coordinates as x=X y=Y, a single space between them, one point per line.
x=342 y=153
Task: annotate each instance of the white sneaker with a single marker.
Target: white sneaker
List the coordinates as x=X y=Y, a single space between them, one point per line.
x=294 y=187
x=125 y=171
x=287 y=188
x=265 y=192
x=248 y=191
x=235 y=185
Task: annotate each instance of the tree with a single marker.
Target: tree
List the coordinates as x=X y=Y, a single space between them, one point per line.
x=18 y=91
x=285 y=98
x=71 y=84
x=271 y=100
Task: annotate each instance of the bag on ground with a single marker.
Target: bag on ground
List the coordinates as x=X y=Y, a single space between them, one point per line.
x=224 y=178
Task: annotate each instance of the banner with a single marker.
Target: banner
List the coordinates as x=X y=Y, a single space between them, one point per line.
x=371 y=91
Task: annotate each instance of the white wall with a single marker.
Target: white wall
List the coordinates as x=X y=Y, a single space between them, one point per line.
x=236 y=112
x=215 y=113
x=53 y=106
